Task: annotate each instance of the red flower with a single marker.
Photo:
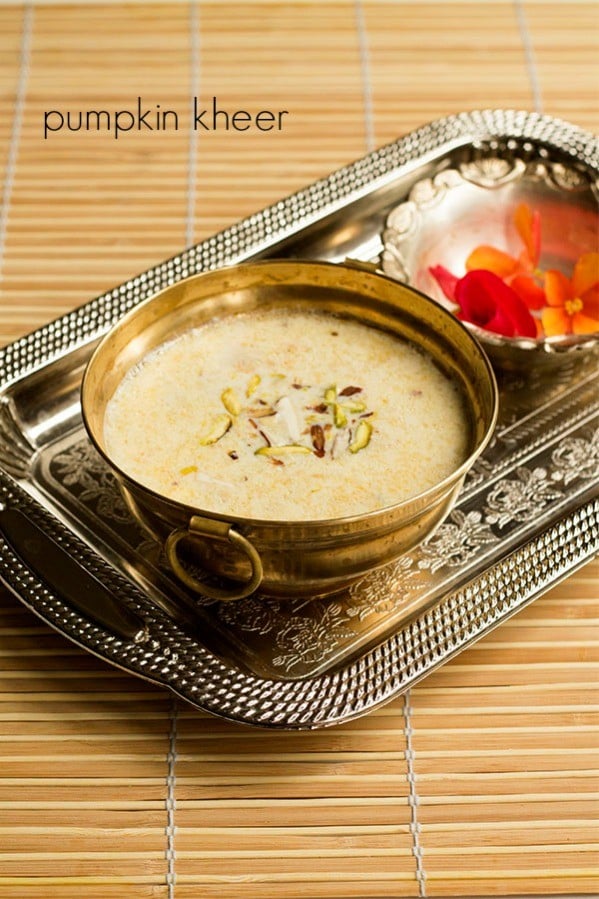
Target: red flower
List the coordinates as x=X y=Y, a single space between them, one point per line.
x=499 y=289
x=517 y=271
x=485 y=300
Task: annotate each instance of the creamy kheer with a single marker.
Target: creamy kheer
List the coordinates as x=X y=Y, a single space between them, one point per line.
x=286 y=415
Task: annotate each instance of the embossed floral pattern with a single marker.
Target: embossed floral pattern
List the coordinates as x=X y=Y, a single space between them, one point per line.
x=305 y=639
x=384 y=590
x=577 y=458
x=456 y=541
x=521 y=498
x=254 y=614
x=81 y=467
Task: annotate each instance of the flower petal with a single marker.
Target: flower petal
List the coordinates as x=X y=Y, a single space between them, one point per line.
x=446 y=281
x=557 y=288
x=556 y=321
x=584 y=324
x=528 y=291
x=485 y=300
x=586 y=273
x=493 y=260
x=528 y=225
x=590 y=301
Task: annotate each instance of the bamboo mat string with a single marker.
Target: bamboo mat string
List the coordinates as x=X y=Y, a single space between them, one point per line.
x=171 y=779
x=370 y=141
x=171 y=798
x=531 y=66
x=365 y=77
x=194 y=85
x=17 y=122
x=413 y=797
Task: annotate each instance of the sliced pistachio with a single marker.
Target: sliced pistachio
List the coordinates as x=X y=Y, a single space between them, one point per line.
x=355 y=406
x=287 y=449
x=330 y=395
x=217 y=429
x=339 y=415
x=189 y=469
x=361 y=437
x=252 y=385
x=230 y=401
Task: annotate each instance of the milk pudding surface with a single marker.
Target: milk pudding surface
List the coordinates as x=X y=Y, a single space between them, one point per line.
x=284 y=414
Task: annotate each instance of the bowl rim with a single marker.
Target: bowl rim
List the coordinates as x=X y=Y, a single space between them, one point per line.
x=444 y=485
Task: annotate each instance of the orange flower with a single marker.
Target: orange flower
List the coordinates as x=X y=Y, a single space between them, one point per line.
x=518 y=272
x=573 y=303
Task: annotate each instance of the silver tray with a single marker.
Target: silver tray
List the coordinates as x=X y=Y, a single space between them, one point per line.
x=527 y=516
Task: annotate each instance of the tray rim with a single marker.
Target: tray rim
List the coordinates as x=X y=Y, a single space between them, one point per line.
x=64 y=335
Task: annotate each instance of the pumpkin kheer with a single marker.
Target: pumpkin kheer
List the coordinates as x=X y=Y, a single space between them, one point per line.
x=287 y=415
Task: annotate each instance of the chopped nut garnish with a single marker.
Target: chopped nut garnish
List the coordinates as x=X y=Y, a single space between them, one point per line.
x=350 y=391
x=318 y=440
x=320 y=408
x=361 y=437
x=230 y=401
x=252 y=385
x=218 y=428
x=287 y=449
x=189 y=469
x=264 y=412
x=286 y=411
x=265 y=437
x=355 y=406
x=339 y=416
x=330 y=395
x=340 y=443
x=233 y=454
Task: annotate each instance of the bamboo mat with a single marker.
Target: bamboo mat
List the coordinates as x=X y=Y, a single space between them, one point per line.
x=480 y=782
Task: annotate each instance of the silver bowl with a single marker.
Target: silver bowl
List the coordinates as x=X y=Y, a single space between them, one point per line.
x=459 y=208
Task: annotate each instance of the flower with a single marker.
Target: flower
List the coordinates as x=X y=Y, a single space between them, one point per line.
x=573 y=303
x=499 y=290
x=519 y=272
x=485 y=300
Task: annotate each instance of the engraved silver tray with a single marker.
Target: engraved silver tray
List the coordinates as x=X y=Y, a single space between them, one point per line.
x=527 y=516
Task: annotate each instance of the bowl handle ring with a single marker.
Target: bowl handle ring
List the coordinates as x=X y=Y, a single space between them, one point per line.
x=221 y=530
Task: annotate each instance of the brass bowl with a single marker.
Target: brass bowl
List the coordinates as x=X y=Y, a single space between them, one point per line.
x=290 y=558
